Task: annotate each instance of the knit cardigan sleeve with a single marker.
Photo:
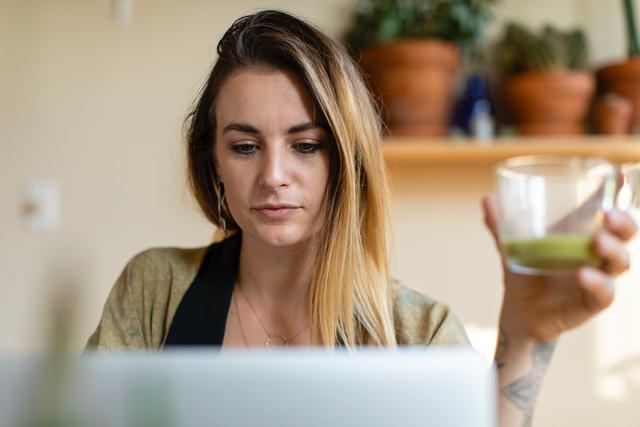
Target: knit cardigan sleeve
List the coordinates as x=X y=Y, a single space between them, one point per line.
x=141 y=305
x=421 y=320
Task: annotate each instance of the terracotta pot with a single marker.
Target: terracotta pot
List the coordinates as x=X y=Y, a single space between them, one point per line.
x=612 y=114
x=623 y=79
x=414 y=79
x=550 y=102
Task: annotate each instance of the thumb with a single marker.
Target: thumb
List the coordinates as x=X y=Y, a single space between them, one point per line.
x=490 y=211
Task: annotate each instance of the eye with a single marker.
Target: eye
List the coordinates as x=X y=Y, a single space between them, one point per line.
x=244 y=149
x=308 y=147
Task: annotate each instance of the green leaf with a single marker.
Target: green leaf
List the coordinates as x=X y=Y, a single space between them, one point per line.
x=388 y=30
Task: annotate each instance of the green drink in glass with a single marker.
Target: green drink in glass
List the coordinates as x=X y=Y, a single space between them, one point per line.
x=549 y=208
x=555 y=252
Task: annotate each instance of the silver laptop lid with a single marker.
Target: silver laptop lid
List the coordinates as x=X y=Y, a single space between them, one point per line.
x=286 y=388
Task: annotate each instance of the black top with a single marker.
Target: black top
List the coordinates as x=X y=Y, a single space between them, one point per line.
x=201 y=316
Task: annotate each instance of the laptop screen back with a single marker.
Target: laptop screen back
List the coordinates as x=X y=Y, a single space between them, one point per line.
x=311 y=388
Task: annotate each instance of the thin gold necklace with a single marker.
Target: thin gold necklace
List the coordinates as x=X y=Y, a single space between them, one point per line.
x=270 y=336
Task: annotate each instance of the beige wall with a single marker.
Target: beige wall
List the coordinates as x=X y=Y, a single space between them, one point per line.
x=98 y=108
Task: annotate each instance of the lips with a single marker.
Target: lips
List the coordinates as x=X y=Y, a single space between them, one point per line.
x=276 y=211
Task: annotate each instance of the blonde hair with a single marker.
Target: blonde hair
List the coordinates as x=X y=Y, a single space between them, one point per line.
x=350 y=296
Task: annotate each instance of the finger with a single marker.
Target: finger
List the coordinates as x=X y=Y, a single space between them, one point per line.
x=621 y=224
x=613 y=251
x=490 y=210
x=598 y=289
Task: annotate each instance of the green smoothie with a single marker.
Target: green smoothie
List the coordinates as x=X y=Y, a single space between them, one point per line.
x=552 y=252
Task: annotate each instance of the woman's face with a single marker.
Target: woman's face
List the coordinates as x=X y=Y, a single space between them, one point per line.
x=272 y=155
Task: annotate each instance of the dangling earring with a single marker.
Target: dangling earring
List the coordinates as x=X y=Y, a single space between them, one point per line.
x=220 y=195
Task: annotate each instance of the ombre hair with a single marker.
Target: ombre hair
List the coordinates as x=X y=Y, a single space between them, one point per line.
x=350 y=296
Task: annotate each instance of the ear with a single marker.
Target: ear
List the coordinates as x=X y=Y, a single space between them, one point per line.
x=216 y=168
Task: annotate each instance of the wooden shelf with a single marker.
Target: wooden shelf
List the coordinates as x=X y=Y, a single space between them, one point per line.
x=407 y=151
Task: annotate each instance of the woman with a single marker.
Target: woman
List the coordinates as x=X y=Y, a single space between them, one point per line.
x=284 y=157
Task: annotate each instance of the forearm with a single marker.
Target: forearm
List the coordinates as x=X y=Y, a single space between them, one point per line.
x=521 y=365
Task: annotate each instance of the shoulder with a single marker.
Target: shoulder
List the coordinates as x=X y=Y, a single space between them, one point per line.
x=420 y=319
x=144 y=299
x=158 y=264
x=158 y=278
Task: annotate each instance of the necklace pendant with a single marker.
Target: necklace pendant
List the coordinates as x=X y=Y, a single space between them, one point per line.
x=269 y=340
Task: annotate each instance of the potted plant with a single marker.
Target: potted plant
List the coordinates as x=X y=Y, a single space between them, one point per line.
x=624 y=78
x=411 y=52
x=546 y=86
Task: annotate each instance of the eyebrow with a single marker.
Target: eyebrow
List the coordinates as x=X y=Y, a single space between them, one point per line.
x=247 y=128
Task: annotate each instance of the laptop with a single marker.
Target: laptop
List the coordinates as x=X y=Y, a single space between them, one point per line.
x=408 y=387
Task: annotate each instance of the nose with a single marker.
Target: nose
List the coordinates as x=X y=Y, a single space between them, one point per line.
x=273 y=173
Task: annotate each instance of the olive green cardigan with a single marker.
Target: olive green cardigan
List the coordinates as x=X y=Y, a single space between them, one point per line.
x=141 y=305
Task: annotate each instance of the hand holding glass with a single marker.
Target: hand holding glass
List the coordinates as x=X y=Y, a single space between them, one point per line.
x=549 y=209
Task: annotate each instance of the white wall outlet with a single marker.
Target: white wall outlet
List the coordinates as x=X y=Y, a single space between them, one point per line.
x=41 y=207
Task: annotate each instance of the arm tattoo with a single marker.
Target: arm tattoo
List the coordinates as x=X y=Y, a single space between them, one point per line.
x=523 y=391
x=503 y=344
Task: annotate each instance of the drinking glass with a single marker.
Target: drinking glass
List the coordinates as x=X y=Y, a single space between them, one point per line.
x=549 y=208
x=628 y=198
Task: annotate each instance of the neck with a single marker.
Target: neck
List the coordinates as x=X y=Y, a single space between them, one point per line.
x=276 y=278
